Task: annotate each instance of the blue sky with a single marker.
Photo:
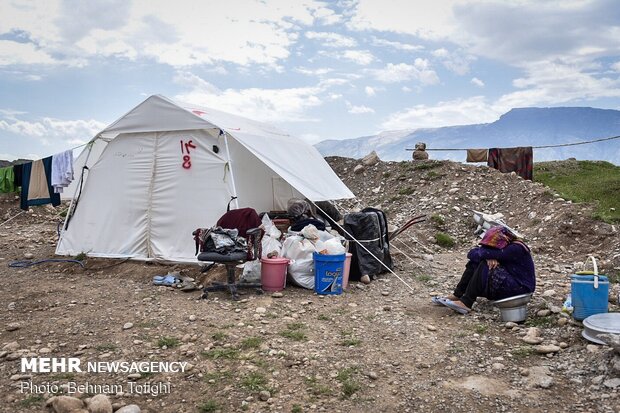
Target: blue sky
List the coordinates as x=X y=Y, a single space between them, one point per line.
x=319 y=69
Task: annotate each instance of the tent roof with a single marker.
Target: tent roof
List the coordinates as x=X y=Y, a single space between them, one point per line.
x=296 y=161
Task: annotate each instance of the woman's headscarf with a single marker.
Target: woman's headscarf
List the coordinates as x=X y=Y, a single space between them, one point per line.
x=498 y=237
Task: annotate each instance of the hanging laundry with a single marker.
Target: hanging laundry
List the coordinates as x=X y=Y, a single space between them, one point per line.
x=7 y=180
x=17 y=173
x=477 y=155
x=62 y=170
x=519 y=160
x=37 y=184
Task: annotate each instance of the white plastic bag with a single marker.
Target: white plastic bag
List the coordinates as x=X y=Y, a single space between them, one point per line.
x=270 y=244
x=301 y=265
x=251 y=272
x=333 y=247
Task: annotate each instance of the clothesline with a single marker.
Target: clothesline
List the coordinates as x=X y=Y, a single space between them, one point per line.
x=533 y=147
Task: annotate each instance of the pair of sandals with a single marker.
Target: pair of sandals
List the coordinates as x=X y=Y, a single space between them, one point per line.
x=445 y=301
x=175 y=280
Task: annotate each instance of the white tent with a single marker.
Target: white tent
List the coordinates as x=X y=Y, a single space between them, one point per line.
x=165 y=169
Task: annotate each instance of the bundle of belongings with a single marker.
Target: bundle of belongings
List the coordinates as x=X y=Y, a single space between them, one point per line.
x=220 y=240
x=369 y=229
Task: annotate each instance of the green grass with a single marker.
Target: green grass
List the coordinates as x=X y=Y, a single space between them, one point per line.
x=386 y=174
x=219 y=336
x=31 y=401
x=438 y=220
x=406 y=191
x=423 y=278
x=522 y=352
x=221 y=353
x=351 y=342
x=444 y=240
x=295 y=332
x=432 y=175
x=584 y=181
x=80 y=257
x=324 y=317
x=539 y=321
x=419 y=166
x=169 y=342
x=349 y=385
x=251 y=342
x=481 y=328
x=217 y=376
x=315 y=387
x=254 y=381
x=296 y=409
x=209 y=406
x=294 y=335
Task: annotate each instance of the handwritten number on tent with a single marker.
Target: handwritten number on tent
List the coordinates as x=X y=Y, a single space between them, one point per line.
x=185 y=149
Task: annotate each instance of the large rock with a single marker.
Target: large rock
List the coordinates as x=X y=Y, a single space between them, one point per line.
x=100 y=404
x=371 y=159
x=420 y=155
x=131 y=408
x=65 y=404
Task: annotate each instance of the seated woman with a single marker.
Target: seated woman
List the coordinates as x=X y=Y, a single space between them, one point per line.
x=500 y=267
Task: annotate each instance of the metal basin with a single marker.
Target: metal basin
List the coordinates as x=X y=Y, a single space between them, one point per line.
x=601 y=324
x=516 y=301
x=514 y=314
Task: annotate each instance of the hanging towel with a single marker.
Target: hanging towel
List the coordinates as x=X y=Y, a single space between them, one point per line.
x=7 y=180
x=62 y=170
x=477 y=155
x=37 y=184
x=519 y=160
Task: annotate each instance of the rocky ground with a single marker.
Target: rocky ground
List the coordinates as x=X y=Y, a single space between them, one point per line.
x=376 y=348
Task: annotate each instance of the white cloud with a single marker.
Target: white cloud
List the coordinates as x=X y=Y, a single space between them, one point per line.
x=73 y=31
x=50 y=128
x=549 y=83
x=360 y=110
x=425 y=19
x=14 y=53
x=361 y=57
x=370 y=91
x=332 y=39
x=616 y=66
x=455 y=112
x=420 y=71
x=440 y=52
x=396 y=45
x=313 y=72
x=406 y=89
x=477 y=82
x=269 y=105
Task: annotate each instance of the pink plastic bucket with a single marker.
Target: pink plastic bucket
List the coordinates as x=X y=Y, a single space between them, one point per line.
x=273 y=273
x=347 y=268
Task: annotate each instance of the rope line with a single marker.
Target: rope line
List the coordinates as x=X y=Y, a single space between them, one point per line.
x=533 y=147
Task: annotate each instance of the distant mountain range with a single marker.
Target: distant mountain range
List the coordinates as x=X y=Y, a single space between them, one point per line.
x=518 y=127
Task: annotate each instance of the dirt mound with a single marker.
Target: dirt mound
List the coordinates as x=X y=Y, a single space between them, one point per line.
x=447 y=193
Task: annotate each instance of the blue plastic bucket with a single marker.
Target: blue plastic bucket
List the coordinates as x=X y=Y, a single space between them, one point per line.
x=328 y=270
x=589 y=295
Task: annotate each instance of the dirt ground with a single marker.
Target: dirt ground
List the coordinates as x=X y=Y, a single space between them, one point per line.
x=376 y=348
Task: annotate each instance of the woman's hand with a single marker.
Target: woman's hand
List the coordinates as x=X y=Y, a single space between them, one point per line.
x=492 y=264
